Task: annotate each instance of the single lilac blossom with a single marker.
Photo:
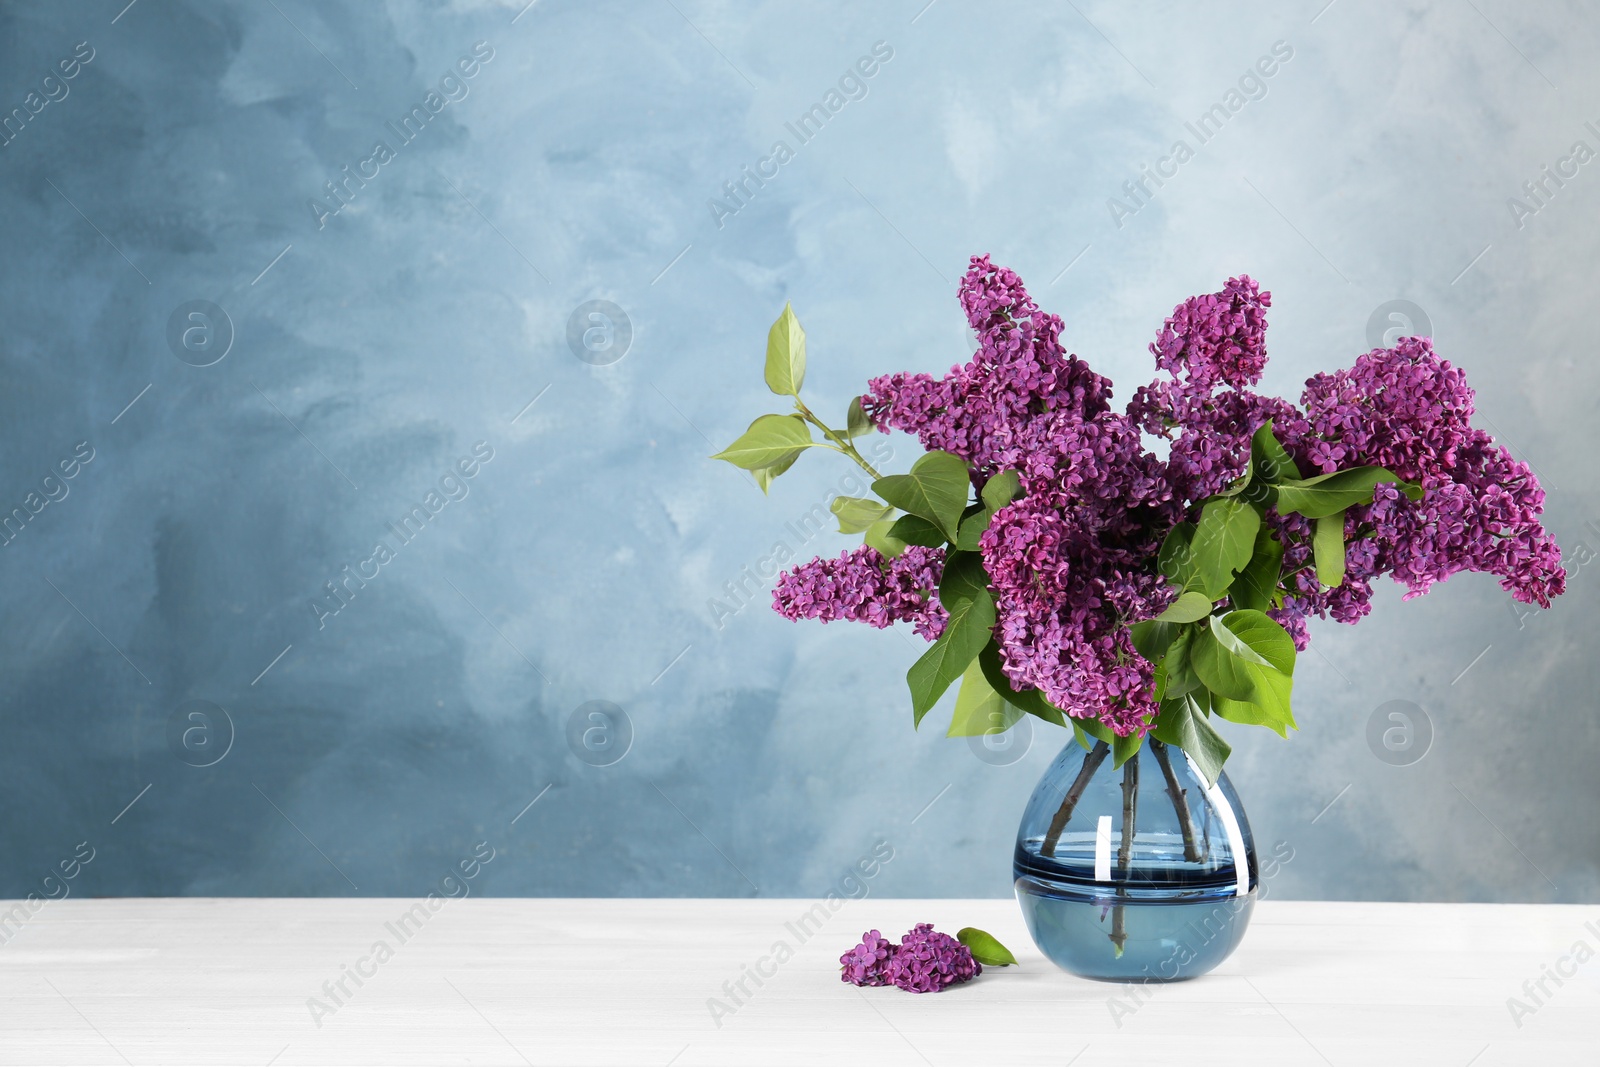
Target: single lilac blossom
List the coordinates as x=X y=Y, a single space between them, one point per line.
x=864 y=964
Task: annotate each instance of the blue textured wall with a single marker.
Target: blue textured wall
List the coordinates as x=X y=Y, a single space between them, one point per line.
x=374 y=347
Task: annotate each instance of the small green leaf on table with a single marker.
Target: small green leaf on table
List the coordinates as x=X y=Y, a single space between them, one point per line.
x=984 y=948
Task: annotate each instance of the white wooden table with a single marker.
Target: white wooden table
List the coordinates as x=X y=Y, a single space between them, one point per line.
x=539 y=981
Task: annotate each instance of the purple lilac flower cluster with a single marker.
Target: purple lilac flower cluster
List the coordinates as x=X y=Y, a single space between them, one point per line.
x=1074 y=558
x=1072 y=561
x=865 y=963
x=1210 y=343
x=1406 y=409
x=925 y=961
x=858 y=586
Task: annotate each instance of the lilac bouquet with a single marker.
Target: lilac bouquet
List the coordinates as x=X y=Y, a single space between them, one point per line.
x=1062 y=568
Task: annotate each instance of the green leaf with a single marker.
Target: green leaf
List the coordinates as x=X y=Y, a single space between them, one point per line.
x=1201 y=742
x=936 y=488
x=1223 y=542
x=1226 y=665
x=1095 y=729
x=1328 y=494
x=856 y=423
x=1271 y=710
x=989 y=660
x=980 y=709
x=1180 y=675
x=1176 y=560
x=1268 y=459
x=998 y=491
x=1190 y=607
x=1239 y=484
x=771 y=441
x=880 y=536
x=1181 y=723
x=1254 y=586
x=1158 y=683
x=1247 y=661
x=1327 y=542
x=856 y=513
x=984 y=948
x=1153 y=637
x=915 y=530
x=786 y=354
x=1168 y=727
x=1031 y=701
x=963 y=579
x=1034 y=703
x=964 y=592
x=972 y=528
x=1125 y=748
x=766 y=475
x=1264 y=637
x=1001 y=490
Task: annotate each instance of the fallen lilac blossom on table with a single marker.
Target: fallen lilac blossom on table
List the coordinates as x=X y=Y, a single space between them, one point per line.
x=925 y=960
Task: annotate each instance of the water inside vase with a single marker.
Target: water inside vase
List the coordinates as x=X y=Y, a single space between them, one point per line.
x=1161 y=941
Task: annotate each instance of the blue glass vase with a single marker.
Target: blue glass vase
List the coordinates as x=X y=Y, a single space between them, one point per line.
x=1137 y=873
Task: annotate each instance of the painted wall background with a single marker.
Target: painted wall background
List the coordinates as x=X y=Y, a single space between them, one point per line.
x=372 y=349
